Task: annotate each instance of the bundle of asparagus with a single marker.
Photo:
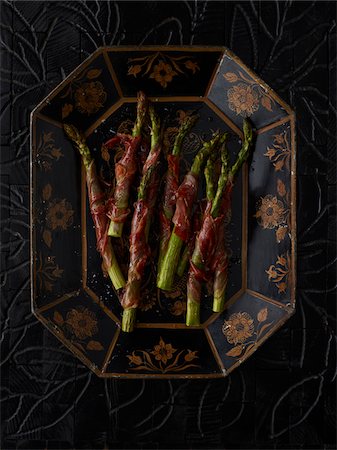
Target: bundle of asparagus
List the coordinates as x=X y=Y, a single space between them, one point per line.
x=185 y=198
x=210 y=255
x=189 y=236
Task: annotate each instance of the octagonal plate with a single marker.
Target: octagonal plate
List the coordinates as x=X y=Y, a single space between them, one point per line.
x=72 y=298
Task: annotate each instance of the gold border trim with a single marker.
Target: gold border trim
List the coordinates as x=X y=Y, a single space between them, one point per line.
x=110 y=350
x=267 y=299
x=57 y=301
x=99 y=302
x=223 y=116
x=112 y=73
x=274 y=125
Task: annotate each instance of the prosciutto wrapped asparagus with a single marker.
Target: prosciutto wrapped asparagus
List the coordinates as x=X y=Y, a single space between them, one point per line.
x=171 y=186
x=96 y=197
x=125 y=170
x=139 y=248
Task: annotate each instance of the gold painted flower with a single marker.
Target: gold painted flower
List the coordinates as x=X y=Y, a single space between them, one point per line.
x=238 y=328
x=163 y=352
x=82 y=322
x=163 y=73
x=178 y=308
x=59 y=215
x=90 y=97
x=271 y=212
x=243 y=100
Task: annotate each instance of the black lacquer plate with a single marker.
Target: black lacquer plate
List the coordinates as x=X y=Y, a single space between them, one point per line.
x=71 y=297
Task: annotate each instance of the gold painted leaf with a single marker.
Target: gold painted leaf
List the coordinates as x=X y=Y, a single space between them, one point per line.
x=262 y=315
x=266 y=103
x=66 y=110
x=279 y=165
x=231 y=77
x=58 y=318
x=46 y=192
x=235 y=351
x=47 y=237
x=93 y=73
x=281 y=188
x=94 y=345
x=264 y=327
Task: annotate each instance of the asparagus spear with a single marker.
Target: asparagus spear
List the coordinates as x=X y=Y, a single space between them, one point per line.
x=186 y=196
x=97 y=208
x=125 y=171
x=171 y=187
x=139 y=248
x=222 y=202
x=205 y=242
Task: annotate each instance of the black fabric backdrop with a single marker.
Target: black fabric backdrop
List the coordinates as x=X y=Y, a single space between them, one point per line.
x=284 y=396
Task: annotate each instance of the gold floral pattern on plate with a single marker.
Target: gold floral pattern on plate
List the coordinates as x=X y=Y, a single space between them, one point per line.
x=163 y=358
x=279 y=272
x=46 y=151
x=59 y=214
x=79 y=325
x=240 y=327
x=84 y=94
x=47 y=272
x=279 y=152
x=162 y=67
x=273 y=211
x=245 y=97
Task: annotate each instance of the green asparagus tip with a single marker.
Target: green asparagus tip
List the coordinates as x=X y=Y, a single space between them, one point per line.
x=129 y=319
x=141 y=113
x=72 y=132
x=245 y=148
x=155 y=126
x=247 y=130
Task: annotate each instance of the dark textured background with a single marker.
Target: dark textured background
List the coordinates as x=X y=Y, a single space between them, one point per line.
x=284 y=396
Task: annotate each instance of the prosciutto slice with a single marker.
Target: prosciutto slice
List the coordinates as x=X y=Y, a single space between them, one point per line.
x=185 y=198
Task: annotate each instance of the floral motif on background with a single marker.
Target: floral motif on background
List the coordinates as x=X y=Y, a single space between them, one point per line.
x=279 y=152
x=46 y=151
x=240 y=331
x=246 y=97
x=279 y=273
x=162 y=358
x=59 y=215
x=273 y=211
x=84 y=94
x=80 y=325
x=162 y=67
